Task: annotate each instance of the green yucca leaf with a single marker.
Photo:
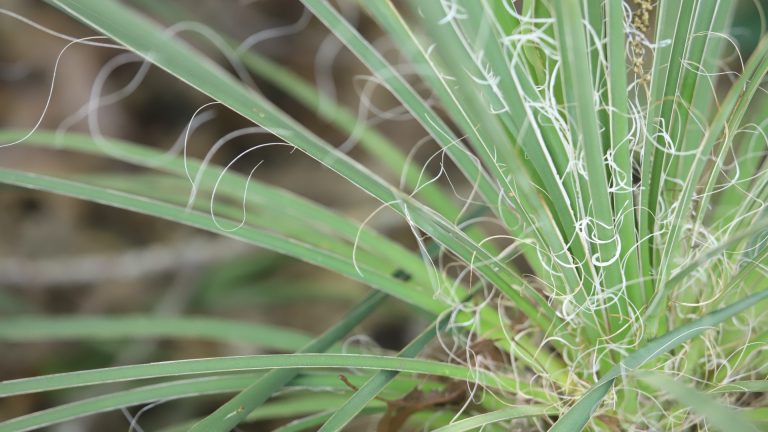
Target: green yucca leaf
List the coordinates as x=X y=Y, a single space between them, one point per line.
x=44 y=328
x=482 y=420
x=126 y=398
x=250 y=363
x=742 y=386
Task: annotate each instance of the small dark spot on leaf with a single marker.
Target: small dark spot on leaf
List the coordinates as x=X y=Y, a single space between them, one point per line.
x=402 y=275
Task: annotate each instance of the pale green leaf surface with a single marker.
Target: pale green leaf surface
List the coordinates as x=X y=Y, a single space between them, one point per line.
x=719 y=416
x=115 y=327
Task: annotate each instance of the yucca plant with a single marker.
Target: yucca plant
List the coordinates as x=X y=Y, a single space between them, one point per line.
x=594 y=261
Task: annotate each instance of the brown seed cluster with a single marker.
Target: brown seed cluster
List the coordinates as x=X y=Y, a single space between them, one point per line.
x=641 y=18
